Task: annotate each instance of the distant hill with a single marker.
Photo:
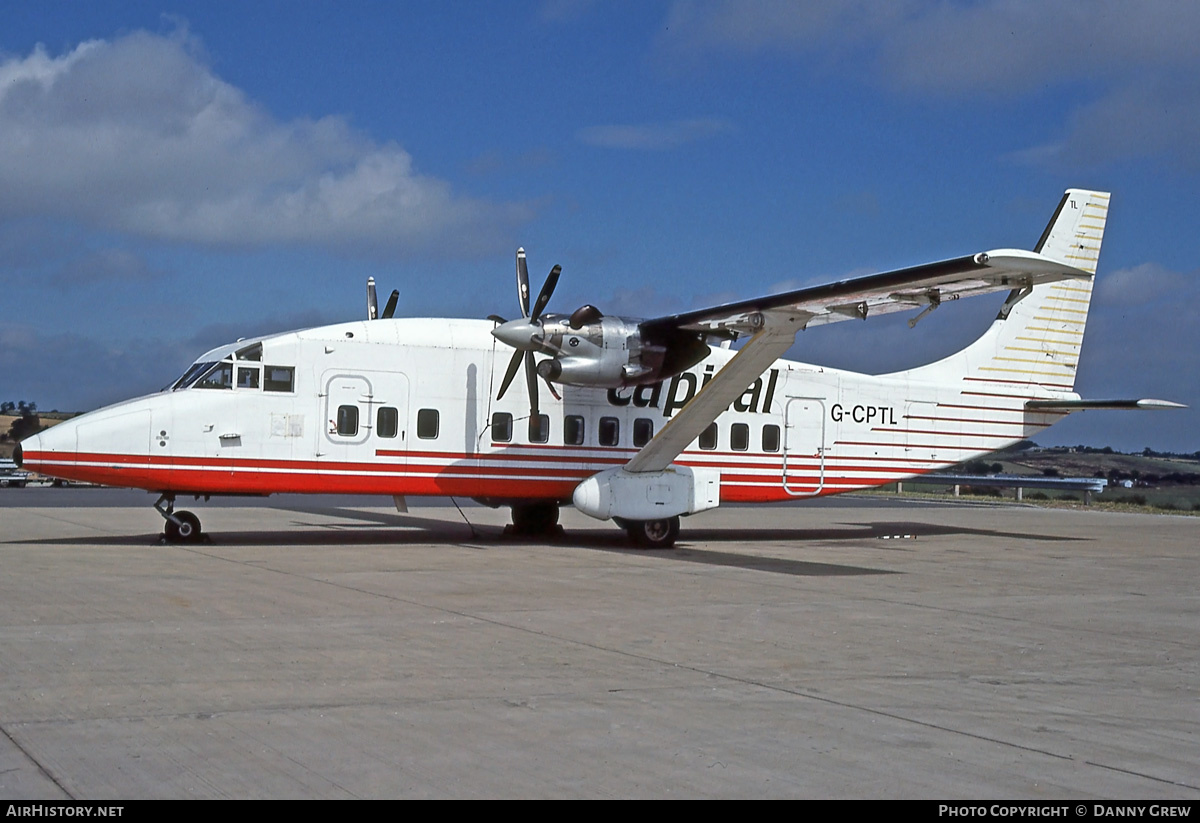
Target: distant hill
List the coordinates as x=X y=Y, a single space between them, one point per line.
x=1072 y=463
x=48 y=419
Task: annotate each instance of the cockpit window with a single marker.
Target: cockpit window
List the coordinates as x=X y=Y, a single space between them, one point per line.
x=189 y=376
x=251 y=353
x=247 y=378
x=219 y=376
x=279 y=378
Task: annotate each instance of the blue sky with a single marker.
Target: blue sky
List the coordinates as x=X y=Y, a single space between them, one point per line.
x=177 y=175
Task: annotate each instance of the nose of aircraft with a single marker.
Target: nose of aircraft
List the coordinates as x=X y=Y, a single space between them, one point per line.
x=33 y=450
x=31 y=445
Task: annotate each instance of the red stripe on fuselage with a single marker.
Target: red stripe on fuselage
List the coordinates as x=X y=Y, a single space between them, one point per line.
x=759 y=479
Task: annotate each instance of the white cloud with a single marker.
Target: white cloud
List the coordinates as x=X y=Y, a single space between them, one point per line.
x=138 y=136
x=1145 y=283
x=653 y=136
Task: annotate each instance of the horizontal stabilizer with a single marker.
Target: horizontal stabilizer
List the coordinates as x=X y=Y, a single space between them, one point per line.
x=1082 y=405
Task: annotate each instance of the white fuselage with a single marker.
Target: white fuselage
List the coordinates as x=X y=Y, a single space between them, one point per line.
x=407 y=407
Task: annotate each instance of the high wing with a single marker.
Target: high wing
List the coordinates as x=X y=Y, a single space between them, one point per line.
x=900 y=290
x=774 y=320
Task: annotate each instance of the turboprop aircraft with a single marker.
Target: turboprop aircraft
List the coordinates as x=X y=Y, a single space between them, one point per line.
x=640 y=421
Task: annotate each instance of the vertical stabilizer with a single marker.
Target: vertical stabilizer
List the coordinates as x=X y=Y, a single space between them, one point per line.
x=1074 y=234
x=1040 y=340
x=1032 y=349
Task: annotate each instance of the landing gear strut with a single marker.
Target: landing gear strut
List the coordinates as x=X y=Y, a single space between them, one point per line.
x=180 y=527
x=651 y=534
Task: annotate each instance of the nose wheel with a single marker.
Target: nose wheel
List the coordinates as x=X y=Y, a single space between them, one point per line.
x=181 y=526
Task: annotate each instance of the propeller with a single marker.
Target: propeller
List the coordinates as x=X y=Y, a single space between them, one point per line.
x=373 y=302
x=390 y=308
x=525 y=334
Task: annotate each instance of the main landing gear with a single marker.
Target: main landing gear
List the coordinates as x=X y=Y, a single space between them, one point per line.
x=535 y=519
x=540 y=519
x=180 y=527
x=651 y=534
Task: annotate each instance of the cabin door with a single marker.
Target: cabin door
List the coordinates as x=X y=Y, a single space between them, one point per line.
x=804 y=446
x=365 y=416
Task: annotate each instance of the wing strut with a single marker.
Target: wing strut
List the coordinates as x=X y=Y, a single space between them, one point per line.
x=761 y=350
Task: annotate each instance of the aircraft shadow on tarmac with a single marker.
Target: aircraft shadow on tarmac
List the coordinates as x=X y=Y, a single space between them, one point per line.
x=366 y=528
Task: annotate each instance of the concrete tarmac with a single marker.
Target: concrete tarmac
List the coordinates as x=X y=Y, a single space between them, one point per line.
x=332 y=648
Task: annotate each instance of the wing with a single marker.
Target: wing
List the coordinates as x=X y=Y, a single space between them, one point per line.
x=773 y=322
x=901 y=290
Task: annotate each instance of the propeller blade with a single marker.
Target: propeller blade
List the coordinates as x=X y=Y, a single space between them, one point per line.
x=547 y=290
x=513 y=365
x=553 y=391
x=390 y=308
x=522 y=283
x=372 y=303
x=495 y=318
x=531 y=382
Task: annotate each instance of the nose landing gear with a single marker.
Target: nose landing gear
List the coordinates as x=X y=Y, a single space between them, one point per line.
x=181 y=526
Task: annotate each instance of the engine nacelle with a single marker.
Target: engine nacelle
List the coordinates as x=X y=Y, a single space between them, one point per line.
x=648 y=495
x=584 y=371
x=611 y=352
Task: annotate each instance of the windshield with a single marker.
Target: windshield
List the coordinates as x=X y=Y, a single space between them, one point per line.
x=216 y=369
x=189 y=376
x=220 y=376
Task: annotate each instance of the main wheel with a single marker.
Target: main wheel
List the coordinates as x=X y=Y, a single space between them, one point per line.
x=534 y=518
x=187 y=530
x=653 y=534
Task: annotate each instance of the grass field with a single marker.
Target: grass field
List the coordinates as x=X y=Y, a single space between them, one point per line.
x=1158 y=496
x=1173 y=499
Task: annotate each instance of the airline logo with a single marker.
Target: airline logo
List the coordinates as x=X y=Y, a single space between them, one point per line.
x=683 y=387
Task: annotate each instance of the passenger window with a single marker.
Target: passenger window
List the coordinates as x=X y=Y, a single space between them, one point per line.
x=573 y=430
x=610 y=431
x=708 y=437
x=501 y=427
x=279 y=378
x=739 y=437
x=770 y=438
x=219 y=377
x=539 y=428
x=643 y=430
x=247 y=378
x=347 y=421
x=427 y=424
x=387 y=422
